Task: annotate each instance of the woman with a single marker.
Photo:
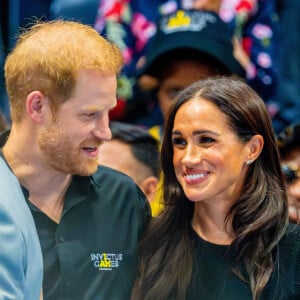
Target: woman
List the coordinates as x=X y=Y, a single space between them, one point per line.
x=224 y=233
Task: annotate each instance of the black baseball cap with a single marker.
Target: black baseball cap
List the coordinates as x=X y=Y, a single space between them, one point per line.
x=198 y=30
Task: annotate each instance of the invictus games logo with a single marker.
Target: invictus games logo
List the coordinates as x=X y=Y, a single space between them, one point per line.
x=106 y=261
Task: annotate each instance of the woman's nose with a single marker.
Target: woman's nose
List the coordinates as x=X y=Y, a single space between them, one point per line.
x=191 y=155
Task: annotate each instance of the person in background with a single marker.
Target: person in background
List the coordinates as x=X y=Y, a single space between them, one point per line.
x=188 y=46
x=132 y=23
x=288 y=142
x=21 y=262
x=224 y=232
x=253 y=24
x=5 y=41
x=133 y=151
x=88 y=218
x=174 y=60
x=288 y=62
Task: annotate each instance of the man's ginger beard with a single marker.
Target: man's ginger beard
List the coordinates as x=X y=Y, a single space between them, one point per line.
x=63 y=154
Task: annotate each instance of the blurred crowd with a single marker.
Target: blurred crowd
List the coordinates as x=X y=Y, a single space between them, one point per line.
x=268 y=55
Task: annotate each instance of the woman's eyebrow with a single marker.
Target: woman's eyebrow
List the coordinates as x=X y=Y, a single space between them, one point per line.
x=197 y=132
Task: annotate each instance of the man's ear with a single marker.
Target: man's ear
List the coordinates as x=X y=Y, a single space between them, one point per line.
x=255 y=146
x=36 y=106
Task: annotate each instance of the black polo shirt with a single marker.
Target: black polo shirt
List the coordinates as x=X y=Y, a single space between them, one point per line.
x=92 y=253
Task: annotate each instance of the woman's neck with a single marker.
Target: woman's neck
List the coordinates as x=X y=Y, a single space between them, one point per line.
x=211 y=224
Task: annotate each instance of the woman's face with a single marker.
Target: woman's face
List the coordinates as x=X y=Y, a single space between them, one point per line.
x=209 y=159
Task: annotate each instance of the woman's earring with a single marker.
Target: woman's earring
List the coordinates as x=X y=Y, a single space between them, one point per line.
x=249 y=162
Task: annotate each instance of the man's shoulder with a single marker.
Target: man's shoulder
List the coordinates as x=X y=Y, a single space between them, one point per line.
x=106 y=175
x=112 y=184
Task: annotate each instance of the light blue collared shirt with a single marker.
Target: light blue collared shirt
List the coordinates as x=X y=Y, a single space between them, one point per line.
x=21 y=264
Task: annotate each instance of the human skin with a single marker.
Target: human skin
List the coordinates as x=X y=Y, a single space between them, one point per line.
x=70 y=141
x=211 y=5
x=292 y=159
x=184 y=72
x=207 y=167
x=118 y=155
x=63 y=143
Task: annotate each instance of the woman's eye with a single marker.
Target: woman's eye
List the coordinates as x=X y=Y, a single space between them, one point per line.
x=206 y=140
x=178 y=141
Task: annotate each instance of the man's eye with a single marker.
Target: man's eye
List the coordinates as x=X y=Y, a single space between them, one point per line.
x=178 y=141
x=93 y=114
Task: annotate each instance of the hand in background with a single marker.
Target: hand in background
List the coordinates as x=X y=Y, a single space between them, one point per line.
x=240 y=54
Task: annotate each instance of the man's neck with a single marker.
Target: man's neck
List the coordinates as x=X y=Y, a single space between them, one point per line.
x=50 y=198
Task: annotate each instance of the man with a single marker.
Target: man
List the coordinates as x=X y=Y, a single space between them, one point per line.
x=134 y=152
x=21 y=264
x=61 y=82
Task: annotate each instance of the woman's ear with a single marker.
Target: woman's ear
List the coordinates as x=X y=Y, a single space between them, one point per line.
x=255 y=146
x=36 y=104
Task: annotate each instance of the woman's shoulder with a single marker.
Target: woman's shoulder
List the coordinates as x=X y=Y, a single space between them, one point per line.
x=289 y=253
x=289 y=245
